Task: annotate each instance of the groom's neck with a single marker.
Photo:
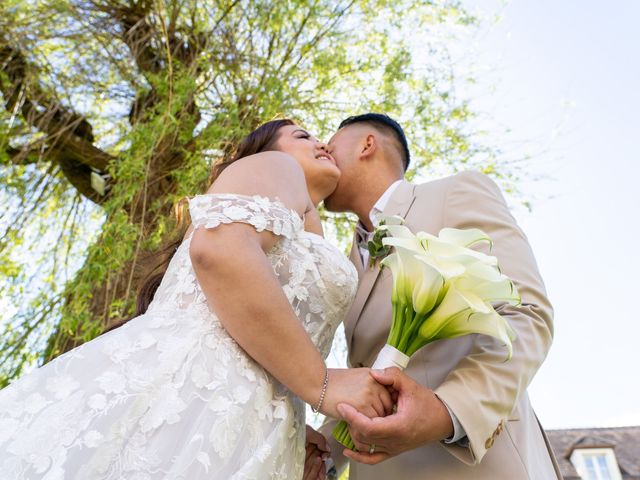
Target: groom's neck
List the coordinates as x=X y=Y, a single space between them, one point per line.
x=368 y=197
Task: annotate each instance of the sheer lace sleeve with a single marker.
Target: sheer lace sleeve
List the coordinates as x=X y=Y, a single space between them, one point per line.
x=211 y=210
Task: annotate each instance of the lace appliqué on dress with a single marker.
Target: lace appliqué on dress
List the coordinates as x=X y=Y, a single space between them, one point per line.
x=212 y=210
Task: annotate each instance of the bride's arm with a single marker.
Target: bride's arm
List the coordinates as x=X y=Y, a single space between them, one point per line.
x=241 y=287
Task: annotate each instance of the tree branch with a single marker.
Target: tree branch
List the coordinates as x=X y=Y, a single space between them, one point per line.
x=22 y=156
x=69 y=135
x=138 y=35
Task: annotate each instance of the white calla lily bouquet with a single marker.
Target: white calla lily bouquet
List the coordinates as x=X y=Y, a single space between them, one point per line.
x=441 y=289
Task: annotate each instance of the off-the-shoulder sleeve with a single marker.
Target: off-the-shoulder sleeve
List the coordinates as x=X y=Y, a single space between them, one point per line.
x=211 y=210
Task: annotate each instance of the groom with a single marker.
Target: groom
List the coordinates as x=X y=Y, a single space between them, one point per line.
x=462 y=411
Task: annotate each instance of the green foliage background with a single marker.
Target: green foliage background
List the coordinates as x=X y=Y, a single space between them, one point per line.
x=152 y=93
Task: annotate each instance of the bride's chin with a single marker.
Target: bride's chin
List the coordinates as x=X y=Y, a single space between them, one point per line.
x=330 y=170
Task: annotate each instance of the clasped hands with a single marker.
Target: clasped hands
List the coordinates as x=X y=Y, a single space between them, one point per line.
x=420 y=417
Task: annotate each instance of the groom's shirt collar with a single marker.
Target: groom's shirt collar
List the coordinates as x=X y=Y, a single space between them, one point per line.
x=362 y=235
x=381 y=204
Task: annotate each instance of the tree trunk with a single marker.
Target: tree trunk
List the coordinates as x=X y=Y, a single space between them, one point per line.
x=112 y=300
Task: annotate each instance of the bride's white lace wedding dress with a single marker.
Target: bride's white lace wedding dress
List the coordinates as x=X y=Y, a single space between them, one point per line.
x=170 y=395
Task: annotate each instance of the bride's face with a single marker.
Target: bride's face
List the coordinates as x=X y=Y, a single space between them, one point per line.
x=318 y=165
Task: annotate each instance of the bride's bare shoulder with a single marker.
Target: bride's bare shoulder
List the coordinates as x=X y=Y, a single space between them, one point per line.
x=268 y=174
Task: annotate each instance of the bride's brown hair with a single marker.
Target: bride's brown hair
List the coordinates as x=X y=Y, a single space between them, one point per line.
x=262 y=139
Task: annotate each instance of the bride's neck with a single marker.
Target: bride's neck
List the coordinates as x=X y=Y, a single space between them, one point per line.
x=312 y=221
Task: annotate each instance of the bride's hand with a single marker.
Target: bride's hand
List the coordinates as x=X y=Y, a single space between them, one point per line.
x=357 y=387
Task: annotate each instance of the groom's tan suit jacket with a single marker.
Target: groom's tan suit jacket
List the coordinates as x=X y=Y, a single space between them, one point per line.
x=487 y=394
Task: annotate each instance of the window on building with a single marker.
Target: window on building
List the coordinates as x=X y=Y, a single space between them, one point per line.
x=596 y=464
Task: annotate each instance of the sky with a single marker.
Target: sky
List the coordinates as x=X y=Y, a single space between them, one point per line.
x=563 y=77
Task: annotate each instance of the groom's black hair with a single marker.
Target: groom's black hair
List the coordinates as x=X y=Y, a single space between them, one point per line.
x=387 y=125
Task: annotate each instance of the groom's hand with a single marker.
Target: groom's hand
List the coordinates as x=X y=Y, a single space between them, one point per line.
x=316 y=452
x=421 y=418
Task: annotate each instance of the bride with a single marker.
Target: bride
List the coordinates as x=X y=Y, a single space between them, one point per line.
x=210 y=382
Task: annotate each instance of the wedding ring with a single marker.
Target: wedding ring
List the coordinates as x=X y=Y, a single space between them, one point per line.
x=372 y=448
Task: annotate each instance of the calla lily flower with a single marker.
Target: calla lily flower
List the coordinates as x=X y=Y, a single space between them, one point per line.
x=427 y=289
x=491 y=324
x=448 y=268
x=454 y=304
x=501 y=291
x=399 y=235
x=437 y=246
x=464 y=238
x=394 y=263
x=387 y=220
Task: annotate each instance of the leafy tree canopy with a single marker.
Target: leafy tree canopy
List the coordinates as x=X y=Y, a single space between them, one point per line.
x=148 y=94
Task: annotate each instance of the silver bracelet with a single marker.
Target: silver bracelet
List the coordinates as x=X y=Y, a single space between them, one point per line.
x=316 y=409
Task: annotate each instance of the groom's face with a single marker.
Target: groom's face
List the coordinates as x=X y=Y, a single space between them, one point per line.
x=344 y=147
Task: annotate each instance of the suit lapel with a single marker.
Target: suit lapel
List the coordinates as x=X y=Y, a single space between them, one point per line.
x=355 y=258
x=399 y=204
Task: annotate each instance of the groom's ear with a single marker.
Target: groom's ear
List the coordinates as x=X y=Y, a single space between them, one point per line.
x=369 y=146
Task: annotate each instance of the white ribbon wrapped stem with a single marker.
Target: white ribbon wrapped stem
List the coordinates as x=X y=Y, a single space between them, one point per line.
x=390 y=357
